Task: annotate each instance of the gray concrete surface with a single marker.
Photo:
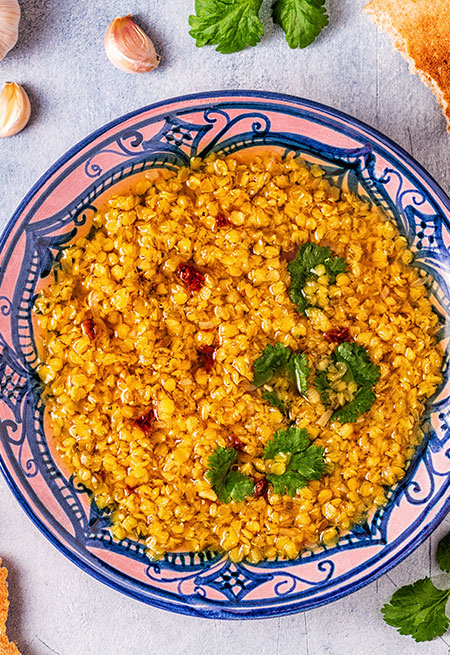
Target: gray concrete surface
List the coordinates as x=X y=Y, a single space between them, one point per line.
x=55 y=608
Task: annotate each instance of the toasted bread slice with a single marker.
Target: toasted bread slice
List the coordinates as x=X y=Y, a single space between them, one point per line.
x=421 y=31
x=6 y=647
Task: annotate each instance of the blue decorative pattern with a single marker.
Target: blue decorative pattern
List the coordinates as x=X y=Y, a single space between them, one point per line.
x=187 y=579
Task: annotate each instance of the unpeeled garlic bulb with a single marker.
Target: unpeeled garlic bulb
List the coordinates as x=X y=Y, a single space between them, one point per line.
x=15 y=109
x=128 y=47
x=9 y=25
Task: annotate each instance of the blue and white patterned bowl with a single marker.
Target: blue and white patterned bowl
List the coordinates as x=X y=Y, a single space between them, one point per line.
x=60 y=207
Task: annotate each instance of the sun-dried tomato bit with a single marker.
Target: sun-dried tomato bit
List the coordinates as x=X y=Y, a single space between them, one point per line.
x=190 y=276
x=222 y=221
x=338 y=335
x=235 y=442
x=207 y=357
x=89 y=328
x=261 y=488
x=145 y=422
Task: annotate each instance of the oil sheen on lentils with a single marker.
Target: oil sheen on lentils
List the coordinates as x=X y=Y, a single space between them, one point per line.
x=196 y=356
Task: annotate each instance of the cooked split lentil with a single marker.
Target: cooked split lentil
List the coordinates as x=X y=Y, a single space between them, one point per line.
x=123 y=335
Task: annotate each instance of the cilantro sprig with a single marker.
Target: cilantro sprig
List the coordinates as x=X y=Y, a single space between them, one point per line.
x=418 y=609
x=309 y=256
x=274 y=400
x=301 y=20
x=228 y=484
x=232 y=25
x=305 y=462
x=278 y=359
x=362 y=371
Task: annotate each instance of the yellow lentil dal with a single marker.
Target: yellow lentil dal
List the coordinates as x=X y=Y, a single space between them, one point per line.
x=150 y=327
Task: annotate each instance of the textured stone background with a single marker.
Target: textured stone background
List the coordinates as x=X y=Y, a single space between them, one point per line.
x=55 y=608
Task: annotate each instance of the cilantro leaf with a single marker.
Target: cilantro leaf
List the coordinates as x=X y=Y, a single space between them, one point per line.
x=287 y=483
x=231 y=25
x=308 y=257
x=228 y=485
x=301 y=20
x=310 y=463
x=443 y=553
x=299 y=369
x=273 y=399
x=361 y=403
x=289 y=440
x=364 y=372
x=273 y=359
x=238 y=486
x=418 y=610
x=306 y=462
x=323 y=386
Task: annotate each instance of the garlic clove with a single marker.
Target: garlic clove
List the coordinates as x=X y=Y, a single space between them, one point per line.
x=9 y=25
x=129 y=48
x=15 y=109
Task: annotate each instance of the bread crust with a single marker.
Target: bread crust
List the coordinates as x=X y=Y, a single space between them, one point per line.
x=6 y=647
x=422 y=35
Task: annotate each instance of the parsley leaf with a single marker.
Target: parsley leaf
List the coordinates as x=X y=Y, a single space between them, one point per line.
x=357 y=359
x=273 y=399
x=308 y=257
x=306 y=462
x=301 y=20
x=299 y=370
x=273 y=360
x=418 y=610
x=362 y=402
x=227 y=484
x=443 y=553
x=231 y=25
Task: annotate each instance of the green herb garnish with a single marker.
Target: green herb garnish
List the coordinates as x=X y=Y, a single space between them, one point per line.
x=299 y=370
x=228 y=484
x=231 y=25
x=306 y=461
x=272 y=361
x=308 y=257
x=301 y=20
x=278 y=359
x=418 y=610
x=273 y=399
x=360 y=370
x=364 y=372
x=361 y=403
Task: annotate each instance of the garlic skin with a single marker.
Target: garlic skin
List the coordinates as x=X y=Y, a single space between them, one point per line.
x=9 y=25
x=128 y=47
x=15 y=109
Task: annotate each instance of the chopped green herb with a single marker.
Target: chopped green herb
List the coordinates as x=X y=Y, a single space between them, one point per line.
x=299 y=369
x=273 y=399
x=361 y=371
x=231 y=25
x=418 y=610
x=273 y=360
x=308 y=257
x=227 y=484
x=364 y=372
x=289 y=440
x=443 y=553
x=301 y=20
x=361 y=403
x=306 y=461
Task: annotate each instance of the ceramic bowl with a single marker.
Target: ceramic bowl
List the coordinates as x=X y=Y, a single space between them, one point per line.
x=60 y=207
